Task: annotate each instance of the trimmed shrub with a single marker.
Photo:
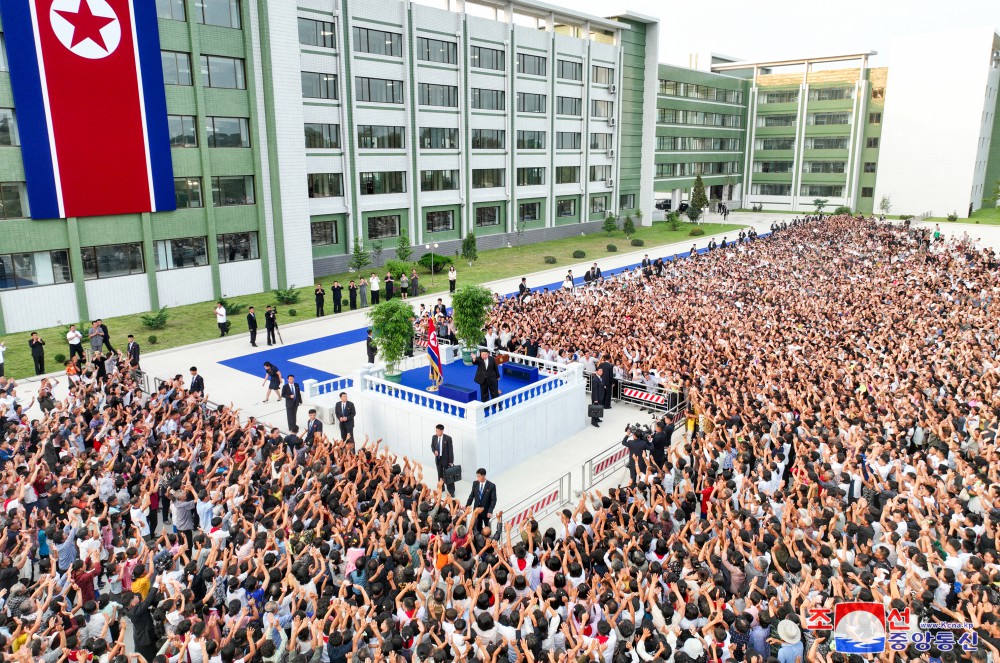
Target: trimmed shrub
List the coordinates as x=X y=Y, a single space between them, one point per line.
x=697 y=231
x=440 y=262
x=612 y=248
x=579 y=254
x=638 y=242
x=152 y=339
x=292 y=312
x=59 y=358
x=232 y=308
x=399 y=267
x=953 y=217
x=906 y=217
x=156 y=320
x=287 y=295
x=549 y=260
x=843 y=209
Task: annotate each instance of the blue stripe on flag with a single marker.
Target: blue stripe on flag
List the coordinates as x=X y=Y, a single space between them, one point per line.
x=32 y=126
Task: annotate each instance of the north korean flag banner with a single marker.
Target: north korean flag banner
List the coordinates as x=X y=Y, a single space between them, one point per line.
x=91 y=110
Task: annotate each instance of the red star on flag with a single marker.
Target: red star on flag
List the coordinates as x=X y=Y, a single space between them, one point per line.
x=86 y=25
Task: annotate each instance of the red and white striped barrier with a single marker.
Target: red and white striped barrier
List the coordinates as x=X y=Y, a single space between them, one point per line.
x=610 y=461
x=640 y=395
x=535 y=508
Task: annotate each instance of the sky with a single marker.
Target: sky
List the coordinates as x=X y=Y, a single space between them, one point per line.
x=776 y=29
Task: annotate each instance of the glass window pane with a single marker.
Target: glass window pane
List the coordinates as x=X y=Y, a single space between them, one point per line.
x=10 y=201
x=8 y=127
x=7 y=280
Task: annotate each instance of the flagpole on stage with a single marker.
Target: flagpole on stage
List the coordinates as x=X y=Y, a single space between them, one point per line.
x=434 y=357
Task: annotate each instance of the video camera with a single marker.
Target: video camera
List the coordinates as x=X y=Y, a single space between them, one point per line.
x=641 y=431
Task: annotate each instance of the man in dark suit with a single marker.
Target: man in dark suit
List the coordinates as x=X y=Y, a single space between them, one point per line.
x=107 y=335
x=370 y=347
x=636 y=446
x=320 y=300
x=133 y=352
x=444 y=455
x=293 y=399
x=597 y=396
x=313 y=426
x=440 y=308
x=646 y=262
x=337 y=293
x=523 y=290
x=606 y=372
x=197 y=382
x=487 y=376
x=345 y=413
x=271 y=324
x=143 y=628
x=37 y=346
x=661 y=441
x=252 y=326
x=484 y=496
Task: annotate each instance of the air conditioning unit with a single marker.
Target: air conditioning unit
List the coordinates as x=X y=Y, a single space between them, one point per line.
x=611 y=153
x=611 y=121
x=610 y=183
x=613 y=89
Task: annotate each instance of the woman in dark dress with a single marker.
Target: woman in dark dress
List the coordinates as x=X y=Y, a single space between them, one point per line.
x=272 y=378
x=389 y=283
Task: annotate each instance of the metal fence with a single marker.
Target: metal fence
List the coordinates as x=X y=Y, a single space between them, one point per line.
x=546 y=500
x=600 y=466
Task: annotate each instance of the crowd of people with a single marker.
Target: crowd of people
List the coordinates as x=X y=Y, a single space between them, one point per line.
x=845 y=374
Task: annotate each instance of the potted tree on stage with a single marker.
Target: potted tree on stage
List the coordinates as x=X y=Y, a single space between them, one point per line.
x=392 y=329
x=470 y=306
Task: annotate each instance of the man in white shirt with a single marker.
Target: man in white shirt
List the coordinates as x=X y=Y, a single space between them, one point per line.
x=375 y=284
x=75 y=340
x=220 y=319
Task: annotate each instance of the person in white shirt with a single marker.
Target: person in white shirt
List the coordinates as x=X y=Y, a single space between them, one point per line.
x=375 y=284
x=75 y=340
x=220 y=319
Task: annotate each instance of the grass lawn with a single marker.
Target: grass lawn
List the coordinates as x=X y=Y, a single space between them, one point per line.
x=196 y=322
x=987 y=216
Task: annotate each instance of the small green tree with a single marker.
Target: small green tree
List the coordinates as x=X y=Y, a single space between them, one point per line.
x=471 y=305
x=885 y=205
x=359 y=258
x=693 y=212
x=403 y=248
x=377 y=253
x=698 y=197
x=628 y=226
x=469 y=250
x=674 y=221
x=610 y=224
x=820 y=203
x=392 y=328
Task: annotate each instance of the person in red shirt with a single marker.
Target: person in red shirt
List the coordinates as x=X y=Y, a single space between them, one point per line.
x=84 y=579
x=706 y=497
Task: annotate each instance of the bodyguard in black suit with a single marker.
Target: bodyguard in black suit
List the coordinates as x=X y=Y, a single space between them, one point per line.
x=371 y=348
x=144 y=630
x=252 y=326
x=197 y=382
x=345 y=413
x=133 y=351
x=483 y=495
x=313 y=426
x=337 y=293
x=293 y=399
x=444 y=455
x=597 y=396
x=636 y=448
x=523 y=290
x=487 y=376
x=271 y=324
x=606 y=372
x=661 y=441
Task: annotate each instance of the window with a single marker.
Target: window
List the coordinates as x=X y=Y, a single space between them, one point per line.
x=383 y=182
x=569 y=70
x=772 y=166
x=626 y=201
x=325 y=185
x=878 y=93
x=822 y=190
x=601 y=141
x=111 y=260
x=568 y=140
x=322 y=136
x=693 y=91
x=530 y=176
x=383 y=226
x=228 y=131
x=438 y=95
x=668 y=87
x=530 y=64
x=317 y=33
x=530 y=140
x=529 y=212
x=378 y=42
x=440 y=221
x=182 y=131
x=829 y=167
x=872 y=143
x=600 y=108
x=598 y=204
x=237 y=247
x=603 y=75
x=8 y=127
x=566 y=208
x=487 y=178
x=600 y=173
x=187 y=192
x=867 y=192
x=666 y=170
x=319 y=86
x=826 y=119
x=180 y=253
x=224 y=13
x=771 y=189
x=435 y=50
x=775 y=143
x=699 y=118
x=489 y=139
x=488 y=99
x=869 y=166
x=481 y=57
x=780 y=97
x=378 y=90
x=324 y=233
x=372 y=137
x=567 y=174
x=569 y=106
x=530 y=103
x=488 y=216
x=438 y=180
x=874 y=118
x=831 y=93
x=12 y=196
x=172 y=10
x=438 y=138
x=776 y=120
x=827 y=143
x=26 y=270
x=223 y=72
x=227 y=191
x=176 y=68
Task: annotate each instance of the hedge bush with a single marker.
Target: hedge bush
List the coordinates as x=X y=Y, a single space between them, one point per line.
x=440 y=262
x=612 y=248
x=579 y=254
x=292 y=312
x=843 y=209
x=59 y=358
x=953 y=217
x=905 y=217
x=551 y=260
x=152 y=339
x=399 y=267
x=697 y=232
x=638 y=242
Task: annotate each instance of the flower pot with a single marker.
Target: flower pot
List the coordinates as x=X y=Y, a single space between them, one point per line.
x=467 y=356
x=394 y=377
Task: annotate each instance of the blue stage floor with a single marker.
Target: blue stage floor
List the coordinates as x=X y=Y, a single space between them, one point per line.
x=457 y=374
